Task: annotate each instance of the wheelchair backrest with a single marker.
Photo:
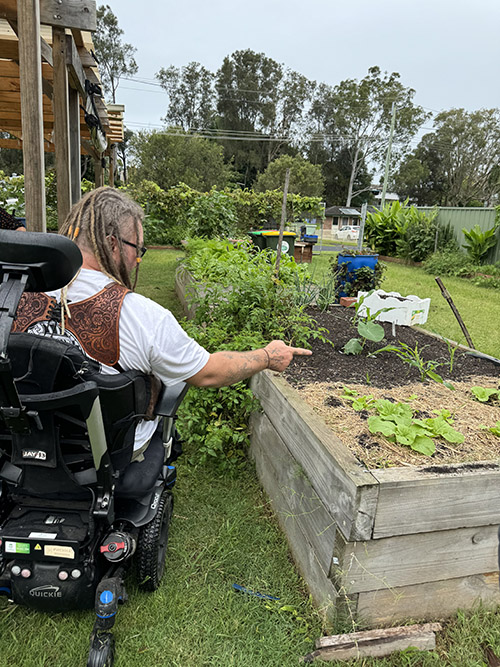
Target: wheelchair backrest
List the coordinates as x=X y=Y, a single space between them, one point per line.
x=52 y=428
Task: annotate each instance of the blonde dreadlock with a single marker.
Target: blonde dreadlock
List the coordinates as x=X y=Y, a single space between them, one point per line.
x=100 y=214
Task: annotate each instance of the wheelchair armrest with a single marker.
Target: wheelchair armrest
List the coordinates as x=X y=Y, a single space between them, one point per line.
x=170 y=399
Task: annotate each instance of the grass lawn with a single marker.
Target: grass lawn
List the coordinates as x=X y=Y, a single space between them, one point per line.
x=478 y=306
x=223 y=532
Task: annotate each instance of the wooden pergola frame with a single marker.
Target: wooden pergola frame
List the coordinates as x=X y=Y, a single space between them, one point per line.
x=46 y=58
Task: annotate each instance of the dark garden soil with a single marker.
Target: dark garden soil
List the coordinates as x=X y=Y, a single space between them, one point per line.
x=322 y=379
x=329 y=364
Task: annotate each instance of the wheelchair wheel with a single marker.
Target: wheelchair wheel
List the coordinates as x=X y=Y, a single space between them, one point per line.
x=102 y=650
x=152 y=545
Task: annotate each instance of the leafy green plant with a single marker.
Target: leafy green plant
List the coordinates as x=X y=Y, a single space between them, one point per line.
x=212 y=215
x=478 y=243
x=367 y=328
x=240 y=304
x=449 y=263
x=495 y=429
x=486 y=395
x=362 y=279
x=311 y=290
x=395 y=421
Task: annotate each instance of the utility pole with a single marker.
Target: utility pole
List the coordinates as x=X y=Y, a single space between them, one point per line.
x=283 y=218
x=388 y=156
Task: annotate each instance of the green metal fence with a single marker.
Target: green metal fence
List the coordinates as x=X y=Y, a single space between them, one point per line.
x=460 y=218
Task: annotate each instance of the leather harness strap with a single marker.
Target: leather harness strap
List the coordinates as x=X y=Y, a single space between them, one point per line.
x=94 y=321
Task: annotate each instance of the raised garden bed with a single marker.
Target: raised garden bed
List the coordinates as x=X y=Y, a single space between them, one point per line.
x=416 y=540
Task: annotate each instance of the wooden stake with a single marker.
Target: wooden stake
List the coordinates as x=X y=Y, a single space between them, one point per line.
x=283 y=218
x=448 y=298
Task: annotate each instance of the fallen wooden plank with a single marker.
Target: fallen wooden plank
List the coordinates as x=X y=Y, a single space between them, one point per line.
x=375 y=643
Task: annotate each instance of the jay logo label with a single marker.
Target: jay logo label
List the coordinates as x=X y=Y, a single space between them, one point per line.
x=34 y=454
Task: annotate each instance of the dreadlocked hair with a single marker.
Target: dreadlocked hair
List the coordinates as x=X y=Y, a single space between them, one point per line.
x=100 y=214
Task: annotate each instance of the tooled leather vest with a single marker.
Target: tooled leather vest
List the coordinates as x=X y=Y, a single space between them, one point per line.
x=94 y=321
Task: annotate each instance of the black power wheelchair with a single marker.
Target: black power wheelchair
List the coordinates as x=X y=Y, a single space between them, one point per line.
x=74 y=512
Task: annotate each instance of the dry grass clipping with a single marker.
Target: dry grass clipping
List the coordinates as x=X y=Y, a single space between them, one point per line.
x=375 y=451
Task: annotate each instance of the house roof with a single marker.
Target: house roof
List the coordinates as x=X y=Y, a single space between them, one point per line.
x=342 y=211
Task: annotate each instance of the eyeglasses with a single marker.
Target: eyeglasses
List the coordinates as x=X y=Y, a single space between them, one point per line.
x=140 y=249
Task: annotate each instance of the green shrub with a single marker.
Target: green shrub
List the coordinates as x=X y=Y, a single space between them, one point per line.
x=212 y=215
x=458 y=264
x=449 y=263
x=478 y=243
x=240 y=304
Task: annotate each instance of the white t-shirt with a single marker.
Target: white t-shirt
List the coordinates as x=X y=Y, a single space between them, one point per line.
x=151 y=340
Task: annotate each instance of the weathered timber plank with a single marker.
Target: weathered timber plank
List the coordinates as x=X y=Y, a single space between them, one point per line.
x=61 y=125
x=75 y=68
x=80 y=14
x=416 y=501
x=321 y=588
x=348 y=490
x=414 y=559
x=305 y=507
x=376 y=643
x=437 y=599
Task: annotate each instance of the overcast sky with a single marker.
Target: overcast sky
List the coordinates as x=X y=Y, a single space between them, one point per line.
x=447 y=50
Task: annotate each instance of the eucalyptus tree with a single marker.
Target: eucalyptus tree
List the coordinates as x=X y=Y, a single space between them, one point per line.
x=116 y=58
x=191 y=96
x=357 y=116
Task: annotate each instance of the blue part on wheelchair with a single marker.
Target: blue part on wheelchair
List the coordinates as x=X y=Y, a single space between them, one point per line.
x=75 y=513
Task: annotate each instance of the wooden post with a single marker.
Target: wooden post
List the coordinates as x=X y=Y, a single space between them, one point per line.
x=30 y=65
x=74 y=142
x=283 y=218
x=112 y=165
x=61 y=125
x=99 y=172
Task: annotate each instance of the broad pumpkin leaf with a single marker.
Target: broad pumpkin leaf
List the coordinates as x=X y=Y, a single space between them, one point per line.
x=378 y=425
x=424 y=445
x=352 y=346
x=371 y=330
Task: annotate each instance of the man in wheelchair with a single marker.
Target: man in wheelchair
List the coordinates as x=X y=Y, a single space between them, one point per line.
x=85 y=467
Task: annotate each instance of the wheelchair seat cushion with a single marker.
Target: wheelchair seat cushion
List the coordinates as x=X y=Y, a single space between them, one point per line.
x=139 y=478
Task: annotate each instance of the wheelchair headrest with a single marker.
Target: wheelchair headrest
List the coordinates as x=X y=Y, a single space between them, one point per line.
x=50 y=260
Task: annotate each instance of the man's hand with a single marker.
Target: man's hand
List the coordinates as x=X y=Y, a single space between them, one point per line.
x=280 y=354
x=225 y=368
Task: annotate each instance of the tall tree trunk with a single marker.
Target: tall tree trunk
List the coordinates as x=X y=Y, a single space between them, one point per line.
x=353 y=176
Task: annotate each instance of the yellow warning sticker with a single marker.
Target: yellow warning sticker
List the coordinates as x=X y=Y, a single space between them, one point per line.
x=58 y=551
x=38 y=547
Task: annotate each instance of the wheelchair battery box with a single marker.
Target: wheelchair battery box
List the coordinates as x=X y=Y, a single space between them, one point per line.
x=38 y=535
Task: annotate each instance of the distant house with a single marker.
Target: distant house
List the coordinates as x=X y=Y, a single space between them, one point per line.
x=341 y=216
x=377 y=194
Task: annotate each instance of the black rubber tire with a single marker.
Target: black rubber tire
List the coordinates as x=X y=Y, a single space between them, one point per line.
x=152 y=545
x=102 y=650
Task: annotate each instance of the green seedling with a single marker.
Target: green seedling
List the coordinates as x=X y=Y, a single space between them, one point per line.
x=485 y=395
x=413 y=357
x=367 y=328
